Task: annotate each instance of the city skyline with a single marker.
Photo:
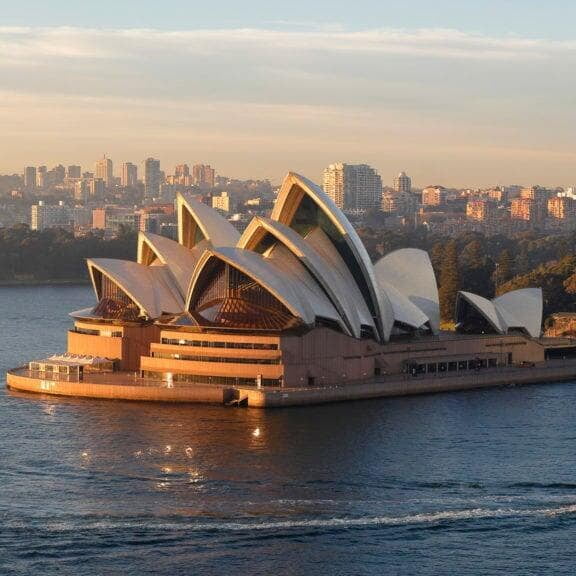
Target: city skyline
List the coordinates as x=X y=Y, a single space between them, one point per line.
x=447 y=94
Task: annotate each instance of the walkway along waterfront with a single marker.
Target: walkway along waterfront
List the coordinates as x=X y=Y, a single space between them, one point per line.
x=128 y=386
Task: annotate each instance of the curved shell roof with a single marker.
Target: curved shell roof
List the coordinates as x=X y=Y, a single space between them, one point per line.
x=154 y=250
x=197 y=221
x=486 y=308
x=293 y=190
x=523 y=308
x=152 y=288
x=352 y=297
x=282 y=286
x=405 y=311
x=308 y=257
x=332 y=275
x=516 y=309
x=410 y=272
x=310 y=292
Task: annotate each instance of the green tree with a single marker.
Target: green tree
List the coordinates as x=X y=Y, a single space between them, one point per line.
x=503 y=272
x=449 y=282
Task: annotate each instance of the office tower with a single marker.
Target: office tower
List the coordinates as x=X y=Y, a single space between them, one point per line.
x=129 y=174
x=203 y=175
x=30 y=177
x=403 y=183
x=152 y=178
x=44 y=216
x=105 y=171
x=74 y=172
x=353 y=186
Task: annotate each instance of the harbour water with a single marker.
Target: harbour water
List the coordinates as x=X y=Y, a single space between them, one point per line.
x=470 y=483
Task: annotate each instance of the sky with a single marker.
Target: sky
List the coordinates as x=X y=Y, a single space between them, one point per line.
x=460 y=93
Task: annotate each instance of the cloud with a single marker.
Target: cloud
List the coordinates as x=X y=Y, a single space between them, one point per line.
x=30 y=45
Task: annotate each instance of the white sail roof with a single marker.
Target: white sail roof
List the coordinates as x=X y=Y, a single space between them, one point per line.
x=310 y=292
x=152 y=288
x=336 y=283
x=293 y=190
x=519 y=309
x=197 y=221
x=410 y=272
x=405 y=311
x=524 y=309
x=282 y=285
x=154 y=250
x=351 y=297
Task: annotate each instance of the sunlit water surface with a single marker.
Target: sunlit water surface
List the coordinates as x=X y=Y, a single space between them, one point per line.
x=470 y=483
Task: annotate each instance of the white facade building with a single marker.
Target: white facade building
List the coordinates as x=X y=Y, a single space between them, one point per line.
x=353 y=187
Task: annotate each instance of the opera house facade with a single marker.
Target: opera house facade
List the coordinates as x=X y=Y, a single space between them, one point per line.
x=293 y=306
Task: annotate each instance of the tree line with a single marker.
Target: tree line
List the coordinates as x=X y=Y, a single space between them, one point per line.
x=55 y=254
x=490 y=265
x=487 y=266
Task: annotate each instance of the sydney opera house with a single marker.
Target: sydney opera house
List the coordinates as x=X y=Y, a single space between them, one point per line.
x=292 y=307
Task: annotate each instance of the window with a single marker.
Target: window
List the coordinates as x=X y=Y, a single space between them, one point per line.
x=228 y=360
x=220 y=344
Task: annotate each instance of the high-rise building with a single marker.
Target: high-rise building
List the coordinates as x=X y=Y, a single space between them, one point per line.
x=152 y=178
x=74 y=171
x=434 y=196
x=97 y=187
x=41 y=176
x=403 y=183
x=104 y=170
x=527 y=209
x=43 y=216
x=182 y=170
x=129 y=175
x=481 y=210
x=203 y=175
x=81 y=190
x=561 y=207
x=353 y=186
x=30 y=177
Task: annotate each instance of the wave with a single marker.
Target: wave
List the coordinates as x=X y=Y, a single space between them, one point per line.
x=303 y=524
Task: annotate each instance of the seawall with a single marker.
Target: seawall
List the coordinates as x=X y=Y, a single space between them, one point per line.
x=124 y=386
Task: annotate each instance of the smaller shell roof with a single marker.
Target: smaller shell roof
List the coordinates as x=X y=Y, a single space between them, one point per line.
x=404 y=310
x=216 y=229
x=516 y=309
x=152 y=288
x=410 y=272
x=525 y=308
x=179 y=259
x=486 y=308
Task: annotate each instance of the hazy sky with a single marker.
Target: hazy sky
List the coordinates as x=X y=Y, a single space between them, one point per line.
x=453 y=92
